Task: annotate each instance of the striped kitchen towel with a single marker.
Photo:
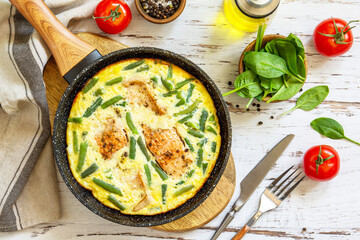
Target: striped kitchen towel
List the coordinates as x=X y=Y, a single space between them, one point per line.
x=29 y=192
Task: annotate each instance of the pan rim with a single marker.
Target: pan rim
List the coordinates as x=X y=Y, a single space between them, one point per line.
x=59 y=136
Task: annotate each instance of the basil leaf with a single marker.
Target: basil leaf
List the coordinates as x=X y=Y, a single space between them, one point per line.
x=300 y=50
x=311 y=98
x=265 y=64
x=287 y=91
x=330 y=128
x=248 y=85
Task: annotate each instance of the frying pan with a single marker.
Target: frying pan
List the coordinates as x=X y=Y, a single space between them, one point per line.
x=78 y=62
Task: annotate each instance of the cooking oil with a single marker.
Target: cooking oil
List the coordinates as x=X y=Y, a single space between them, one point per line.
x=247 y=15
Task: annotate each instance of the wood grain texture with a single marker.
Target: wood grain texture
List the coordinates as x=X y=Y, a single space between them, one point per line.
x=211 y=207
x=315 y=211
x=67 y=49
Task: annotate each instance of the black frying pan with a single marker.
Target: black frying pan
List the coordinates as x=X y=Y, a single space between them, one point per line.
x=78 y=62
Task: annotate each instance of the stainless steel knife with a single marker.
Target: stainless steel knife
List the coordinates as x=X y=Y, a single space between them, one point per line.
x=253 y=179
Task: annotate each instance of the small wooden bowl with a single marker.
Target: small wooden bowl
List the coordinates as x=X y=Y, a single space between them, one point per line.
x=160 y=21
x=251 y=47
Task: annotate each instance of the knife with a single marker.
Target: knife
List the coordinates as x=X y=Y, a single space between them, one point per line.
x=253 y=179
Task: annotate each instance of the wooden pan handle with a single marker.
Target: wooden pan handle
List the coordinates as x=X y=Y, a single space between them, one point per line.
x=241 y=233
x=67 y=49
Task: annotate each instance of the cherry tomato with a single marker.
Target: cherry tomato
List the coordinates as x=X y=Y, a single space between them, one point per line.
x=333 y=37
x=112 y=16
x=321 y=163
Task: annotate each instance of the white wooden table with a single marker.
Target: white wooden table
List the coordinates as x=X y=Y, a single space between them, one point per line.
x=321 y=211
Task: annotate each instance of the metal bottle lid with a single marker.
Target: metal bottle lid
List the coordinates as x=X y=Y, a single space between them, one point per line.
x=257 y=8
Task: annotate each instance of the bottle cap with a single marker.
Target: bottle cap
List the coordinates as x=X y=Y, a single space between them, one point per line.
x=257 y=8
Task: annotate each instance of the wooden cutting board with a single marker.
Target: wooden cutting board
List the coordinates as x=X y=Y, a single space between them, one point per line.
x=210 y=208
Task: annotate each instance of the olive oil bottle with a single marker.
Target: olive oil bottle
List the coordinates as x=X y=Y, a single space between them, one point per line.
x=247 y=15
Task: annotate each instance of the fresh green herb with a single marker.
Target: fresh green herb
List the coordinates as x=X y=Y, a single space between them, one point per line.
x=183 y=190
x=122 y=104
x=90 y=170
x=116 y=202
x=330 y=128
x=82 y=155
x=311 y=98
x=132 y=150
x=203 y=117
x=99 y=91
x=191 y=147
x=148 y=174
x=90 y=84
x=247 y=85
x=163 y=193
x=134 y=65
x=84 y=133
x=114 y=81
x=75 y=142
x=107 y=186
x=170 y=72
x=288 y=90
x=190 y=92
x=181 y=182
x=75 y=119
x=200 y=157
x=183 y=83
x=154 y=79
x=143 y=148
x=90 y=110
x=195 y=133
x=111 y=101
x=130 y=123
x=109 y=177
x=167 y=84
x=188 y=110
x=159 y=171
x=189 y=174
x=260 y=35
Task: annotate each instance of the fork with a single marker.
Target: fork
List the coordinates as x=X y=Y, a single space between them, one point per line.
x=272 y=197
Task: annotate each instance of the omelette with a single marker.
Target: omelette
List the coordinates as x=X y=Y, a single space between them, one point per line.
x=143 y=136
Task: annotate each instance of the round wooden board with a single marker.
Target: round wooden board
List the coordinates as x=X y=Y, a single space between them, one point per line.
x=210 y=208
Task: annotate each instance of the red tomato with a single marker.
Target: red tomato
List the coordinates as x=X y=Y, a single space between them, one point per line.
x=321 y=163
x=112 y=16
x=333 y=37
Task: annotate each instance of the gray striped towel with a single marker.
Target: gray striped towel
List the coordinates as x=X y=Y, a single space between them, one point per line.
x=29 y=192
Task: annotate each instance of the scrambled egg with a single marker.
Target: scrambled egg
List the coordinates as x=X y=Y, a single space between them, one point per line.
x=143 y=136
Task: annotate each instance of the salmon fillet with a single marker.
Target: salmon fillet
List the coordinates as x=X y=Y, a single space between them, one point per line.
x=112 y=139
x=140 y=93
x=168 y=149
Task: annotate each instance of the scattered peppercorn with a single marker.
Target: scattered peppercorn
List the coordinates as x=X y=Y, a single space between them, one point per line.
x=272 y=117
x=254 y=104
x=247 y=109
x=258 y=109
x=237 y=106
x=260 y=123
x=229 y=83
x=301 y=90
x=258 y=105
x=160 y=9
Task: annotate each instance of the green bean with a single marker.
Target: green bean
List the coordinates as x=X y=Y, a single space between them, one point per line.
x=114 y=81
x=213 y=147
x=211 y=129
x=183 y=190
x=183 y=120
x=169 y=94
x=191 y=147
x=143 y=68
x=99 y=91
x=191 y=125
x=189 y=174
x=90 y=110
x=148 y=174
x=154 y=79
x=132 y=148
x=200 y=157
x=180 y=182
x=116 y=202
x=167 y=84
x=163 y=193
x=84 y=133
x=212 y=120
x=123 y=104
x=90 y=170
x=75 y=119
x=134 y=65
x=195 y=133
x=143 y=148
x=183 y=83
x=109 y=177
x=111 y=101
x=204 y=167
x=202 y=142
x=107 y=170
x=90 y=84
x=181 y=102
x=159 y=171
x=188 y=110
x=130 y=123
x=170 y=72
x=190 y=92
x=82 y=155
x=203 y=118
x=107 y=186
x=75 y=142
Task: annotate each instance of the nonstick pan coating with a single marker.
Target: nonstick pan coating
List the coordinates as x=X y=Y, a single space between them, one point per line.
x=85 y=196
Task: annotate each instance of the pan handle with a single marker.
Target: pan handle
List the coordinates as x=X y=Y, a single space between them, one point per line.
x=67 y=49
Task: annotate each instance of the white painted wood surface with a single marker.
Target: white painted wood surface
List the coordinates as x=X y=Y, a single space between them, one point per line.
x=321 y=211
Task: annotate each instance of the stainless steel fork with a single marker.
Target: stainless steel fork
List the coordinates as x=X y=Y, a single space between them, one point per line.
x=273 y=196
